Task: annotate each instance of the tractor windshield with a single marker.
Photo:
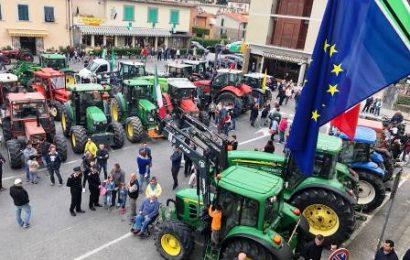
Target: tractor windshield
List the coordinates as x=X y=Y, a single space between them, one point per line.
x=128 y=71
x=234 y=78
x=141 y=92
x=91 y=98
x=354 y=152
x=29 y=110
x=93 y=66
x=186 y=92
x=58 y=82
x=56 y=64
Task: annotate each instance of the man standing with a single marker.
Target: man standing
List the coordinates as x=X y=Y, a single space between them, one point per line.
x=102 y=157
x=74 y=182
x=133 y=191
x=44 y=149
x=53 y=162
x=27 y=153
x=386 y=252
x=93 y=185
x=21 y=201
x=148 y=210
x=2 y=161
x=148 y=154
x=143 y=163
x=313 y=249
x=188 y=161
x=176 y=158
x=118 y=177
x=369 y=102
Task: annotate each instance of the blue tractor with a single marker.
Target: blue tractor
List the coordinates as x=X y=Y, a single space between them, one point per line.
x=359 y=155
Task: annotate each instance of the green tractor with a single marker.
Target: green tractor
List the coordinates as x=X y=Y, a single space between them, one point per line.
x=256 y=219
x=86 y=114
x=132 y=106
x=53 y=60
x=24 y=71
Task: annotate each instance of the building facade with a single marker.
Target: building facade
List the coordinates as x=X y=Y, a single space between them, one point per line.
x=240 y=6
x=131 y=23
x=203 y=23
x=231 y=26
x=36 y=25
x=281 y=36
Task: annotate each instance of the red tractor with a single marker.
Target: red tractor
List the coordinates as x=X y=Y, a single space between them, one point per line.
x=226 y=87
x=52 y=84
x=26 y=117
x=18 y=54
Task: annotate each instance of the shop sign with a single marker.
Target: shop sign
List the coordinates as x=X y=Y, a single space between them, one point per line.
x=90 y=20
x=284 y=57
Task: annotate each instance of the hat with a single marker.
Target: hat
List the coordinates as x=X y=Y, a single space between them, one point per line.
x=77 y=169
x=18 y=181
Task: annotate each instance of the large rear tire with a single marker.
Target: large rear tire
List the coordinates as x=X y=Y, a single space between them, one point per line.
x=134 y=129
x=371 y=191
x=327 y=213
x=226 y=98
x=15 y=154
x=65 y=122
x=252 y=250
x=6 y=125
x=174 y=240
x=119 y=135
x=78 y=138
x=56 y=108
x=61 y=146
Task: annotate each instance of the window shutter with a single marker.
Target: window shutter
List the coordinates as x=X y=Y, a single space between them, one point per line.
x=128 y=13
x=174 y=17
x=152 y=15
x=23 y=12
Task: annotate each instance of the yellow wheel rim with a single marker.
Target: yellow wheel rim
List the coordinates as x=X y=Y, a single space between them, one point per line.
x=114 y=112
x=70 y=80
x=63 y=122
x=322 y=219
x=73 y=140
x=130 y=130
x=170 y=244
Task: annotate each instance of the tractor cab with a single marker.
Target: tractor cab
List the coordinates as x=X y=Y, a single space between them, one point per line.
x=8 y=84
x=359 y=149
x=178 y=70
x=225 y=77
x=53 y=60
x=131 y=69
x=181 y=89
x=198 y=66
x=261 y=86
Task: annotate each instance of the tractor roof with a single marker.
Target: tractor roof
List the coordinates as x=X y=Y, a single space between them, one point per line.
x=328 y=144
x=25 y=97
x=53 y=56
x=88 y=87
x=181 y=83
x=231 y=71
x=373 y=124
x=256 y=75
x=178 y=65
x=48 y=72
x=132 y=63
x=194 y=62
x=262 y=158
x=8 y=77
x=137 y=82
x=251 y=182
x=363 y=135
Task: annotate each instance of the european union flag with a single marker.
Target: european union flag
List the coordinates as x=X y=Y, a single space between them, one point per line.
x=362 y=47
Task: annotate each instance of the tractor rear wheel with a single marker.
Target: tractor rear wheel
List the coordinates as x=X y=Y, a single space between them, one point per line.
x=115 y=109
x=252 y=249
x=14 y=153
x=119 y=135
x=7 y=135
x=26 y=56
x=78 y=138
x=204 y=118
x=134 y=129
x=61 y=146
x=226 y=98
x=56 y=108
x=52 y=131
x=174 y=240
x=327 y=213
x=65 y=122
x=371 y=191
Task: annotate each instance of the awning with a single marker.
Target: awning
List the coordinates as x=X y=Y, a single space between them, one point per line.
x=27 y=32
x=123 y=31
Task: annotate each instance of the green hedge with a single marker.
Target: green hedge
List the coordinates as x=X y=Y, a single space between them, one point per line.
x=403 y=100
x=209 y=42
x=199 y=31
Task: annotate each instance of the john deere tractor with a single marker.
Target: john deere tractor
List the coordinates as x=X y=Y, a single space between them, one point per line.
x=255 y=218
x=24 y=71
x=86 y=114
x=133 y=107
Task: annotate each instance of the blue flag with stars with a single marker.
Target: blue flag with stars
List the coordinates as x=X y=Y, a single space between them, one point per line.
x=361 y=48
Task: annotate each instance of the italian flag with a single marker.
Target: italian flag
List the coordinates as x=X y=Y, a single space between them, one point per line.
x=158 y=95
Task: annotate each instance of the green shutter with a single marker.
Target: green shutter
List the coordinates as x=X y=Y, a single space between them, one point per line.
x=23 y=12
x=128 y=13
x=152 y=15
x=174 y=17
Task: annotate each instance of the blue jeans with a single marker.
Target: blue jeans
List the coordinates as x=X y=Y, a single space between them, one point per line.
x=122 y=200
x=33 y=176
x=27 y=172
x=141 y=181
x=27 y=210
x=103 y=168
x=281 y=137
x=141 y=222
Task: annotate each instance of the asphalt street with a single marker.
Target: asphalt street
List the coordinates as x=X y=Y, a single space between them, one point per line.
x=104 y=234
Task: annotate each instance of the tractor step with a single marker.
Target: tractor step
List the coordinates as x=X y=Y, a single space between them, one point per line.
x=212 y=252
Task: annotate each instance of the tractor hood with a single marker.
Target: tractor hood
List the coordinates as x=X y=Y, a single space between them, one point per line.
x=146 y=105
x=203 y=82
x=32 y=129
x=188 y=106
x=85 y=73
x=96 y=114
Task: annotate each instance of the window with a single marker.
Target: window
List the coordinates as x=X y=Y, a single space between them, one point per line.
x=23 y=12
x=174 y=17
x=152 y=15
x=49 y=14
x=128 y=13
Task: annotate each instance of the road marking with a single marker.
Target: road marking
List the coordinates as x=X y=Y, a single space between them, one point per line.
x=265 y=133
x=98 y=249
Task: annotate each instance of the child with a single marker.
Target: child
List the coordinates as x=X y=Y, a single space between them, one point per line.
x=122 y=197
x=33 y=169
x=283 y=125
x=109 y=185
x=216 y=214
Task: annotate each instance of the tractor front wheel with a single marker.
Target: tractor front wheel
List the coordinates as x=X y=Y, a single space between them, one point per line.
x=119 y=135
x=61 y=146
x=78 y=138
x=134 y=129
x=252 y=249
x=327 y=213
x=174 y=240
x=226 y=98
x=14 y=153
x=56 y=108
x=371 y=191
x=65 y=123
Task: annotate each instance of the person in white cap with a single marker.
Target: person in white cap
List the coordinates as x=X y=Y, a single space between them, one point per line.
x=21 y=200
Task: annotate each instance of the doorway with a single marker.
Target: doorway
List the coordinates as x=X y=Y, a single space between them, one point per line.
x=28 y=43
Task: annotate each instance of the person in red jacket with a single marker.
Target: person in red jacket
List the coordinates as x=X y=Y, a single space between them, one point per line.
x=283 y=125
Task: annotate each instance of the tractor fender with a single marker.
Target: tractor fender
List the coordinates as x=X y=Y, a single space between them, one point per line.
x=376 y=157
x=350 y=198
x=188 y=106
x=121 y=100
x=70 y=111
x=168 y=102
x=258 y=91
x=245 y=88
x=236 y=91
x=369 y=167
x=284 y=252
